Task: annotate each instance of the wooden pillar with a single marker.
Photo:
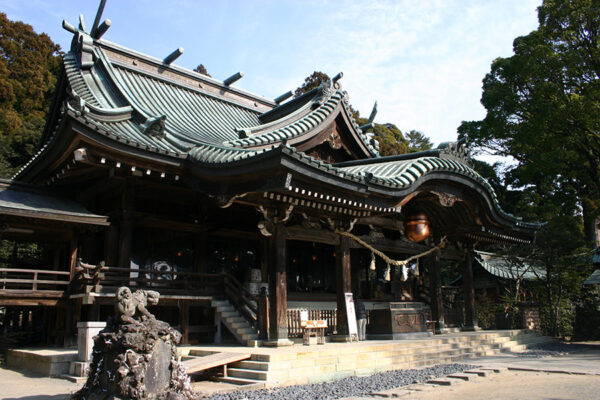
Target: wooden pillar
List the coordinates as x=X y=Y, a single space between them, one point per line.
x=111 y=245
x=200 y=252
x=469 y=290
x=184 y=321
x=278 y=332
x=263 y=316
x=343 y=284
x=127 y=202
x=435 y=288
x=218 y=327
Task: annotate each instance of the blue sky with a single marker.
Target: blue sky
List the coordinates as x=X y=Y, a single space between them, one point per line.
x=423 y=61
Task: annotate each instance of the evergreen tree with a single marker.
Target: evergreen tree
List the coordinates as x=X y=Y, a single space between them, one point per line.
x=29 y=66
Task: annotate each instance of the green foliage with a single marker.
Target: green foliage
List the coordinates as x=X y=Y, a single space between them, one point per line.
x=391 y=140
x=417 y=141
x=390 y=137
x=311 y=82
x=486 y=310
x=543 y=107
x=29 y=66
x=201 y=69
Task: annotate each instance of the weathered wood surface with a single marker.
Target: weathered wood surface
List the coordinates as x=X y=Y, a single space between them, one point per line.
x=198 y=364
x=469 y=291
x=277 y=284
x=343 y=283
x=295 y=329
x=33 y=281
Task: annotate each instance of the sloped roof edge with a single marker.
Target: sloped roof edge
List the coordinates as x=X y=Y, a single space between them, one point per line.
x=503 y=267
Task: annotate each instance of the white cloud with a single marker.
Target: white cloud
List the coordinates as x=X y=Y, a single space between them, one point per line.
x=422 y=60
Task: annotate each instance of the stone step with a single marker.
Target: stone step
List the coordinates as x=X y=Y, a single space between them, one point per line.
x=256 y=384
x=78 y=368
x=200 y=353
x=239 y=324
x=247 y=373
x=235 y=319
x=231 y=313
x=253 y=365
x=249 y=336
x=478 y=372
x=495 y=370
x=443 y=381
x=74 y=378
x=225 y=308
x=464 y=377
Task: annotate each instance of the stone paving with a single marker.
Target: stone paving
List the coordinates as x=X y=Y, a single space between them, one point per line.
x=574 y=375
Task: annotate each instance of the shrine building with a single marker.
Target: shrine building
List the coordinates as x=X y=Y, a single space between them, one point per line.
x=240 y=210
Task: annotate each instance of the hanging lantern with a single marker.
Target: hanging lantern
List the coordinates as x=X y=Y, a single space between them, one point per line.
x=416 y=227
x=372 y=267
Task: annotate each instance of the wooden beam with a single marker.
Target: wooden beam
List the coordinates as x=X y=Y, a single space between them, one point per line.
x=27 y=302
x=312 y=235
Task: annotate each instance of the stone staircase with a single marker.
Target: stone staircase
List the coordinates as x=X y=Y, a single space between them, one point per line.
x=330 y=362
x=241 y=329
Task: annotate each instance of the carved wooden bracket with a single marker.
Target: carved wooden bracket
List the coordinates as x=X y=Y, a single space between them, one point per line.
x=446 y=200
x=224 y=200
x=272 y=216
x=341 y=225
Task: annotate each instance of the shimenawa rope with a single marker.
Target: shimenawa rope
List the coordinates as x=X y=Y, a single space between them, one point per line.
x=386 y=258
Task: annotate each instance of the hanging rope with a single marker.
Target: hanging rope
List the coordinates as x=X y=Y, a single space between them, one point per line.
x=386 y=258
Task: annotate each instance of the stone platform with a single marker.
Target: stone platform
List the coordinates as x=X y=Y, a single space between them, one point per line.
x=300 y=364
x=46 y=362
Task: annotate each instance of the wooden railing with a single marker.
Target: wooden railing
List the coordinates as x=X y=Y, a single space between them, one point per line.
x=105 y=279
x=296 y=330
x=28 y=281
x=242 y=299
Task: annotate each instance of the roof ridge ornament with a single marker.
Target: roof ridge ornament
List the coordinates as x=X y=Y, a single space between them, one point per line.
x=83 y=41
x=75 y=102
x=370 y=124
x=458 y=151
x=155 y=126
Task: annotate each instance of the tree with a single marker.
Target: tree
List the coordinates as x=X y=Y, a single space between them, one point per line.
x=311 y=82
x=417 y=141
x=543 y=107
x=201 y=69
x=390 y=137
x=391 y=140
x=29 y=66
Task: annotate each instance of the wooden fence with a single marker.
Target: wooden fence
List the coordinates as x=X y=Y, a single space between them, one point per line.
x=296 y=330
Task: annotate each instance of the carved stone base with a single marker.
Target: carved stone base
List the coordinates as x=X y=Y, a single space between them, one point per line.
x=136 y=361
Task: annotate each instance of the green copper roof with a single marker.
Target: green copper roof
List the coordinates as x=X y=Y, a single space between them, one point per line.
x=506 y=268
x=145 y=103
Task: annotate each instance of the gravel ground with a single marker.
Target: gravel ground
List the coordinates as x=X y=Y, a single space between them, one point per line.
x=353 y=386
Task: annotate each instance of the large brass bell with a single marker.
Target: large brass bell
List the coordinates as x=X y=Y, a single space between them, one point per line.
x=416 y=227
